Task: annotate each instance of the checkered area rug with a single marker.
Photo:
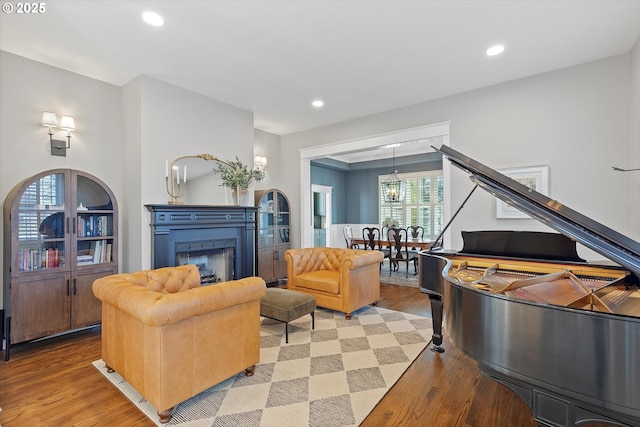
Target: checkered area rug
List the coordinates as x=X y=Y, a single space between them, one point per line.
x=332 y=376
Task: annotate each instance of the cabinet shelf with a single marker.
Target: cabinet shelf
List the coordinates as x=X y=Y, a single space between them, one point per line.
x=24 y=242
x=84 y=239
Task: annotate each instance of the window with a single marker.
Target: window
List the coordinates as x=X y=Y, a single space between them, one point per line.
x=423 y=202
x=47 y=191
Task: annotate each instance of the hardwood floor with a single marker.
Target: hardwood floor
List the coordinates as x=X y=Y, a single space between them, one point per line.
x=55 y=384
x=443 y=389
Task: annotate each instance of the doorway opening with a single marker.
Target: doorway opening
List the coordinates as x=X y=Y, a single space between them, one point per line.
x=439 y=131
x=321 y=215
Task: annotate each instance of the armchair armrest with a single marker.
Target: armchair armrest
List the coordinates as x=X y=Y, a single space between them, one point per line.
x=360 y=258
x=159 y=309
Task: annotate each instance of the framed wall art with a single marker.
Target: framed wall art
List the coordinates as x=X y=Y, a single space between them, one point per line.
x=534 y=177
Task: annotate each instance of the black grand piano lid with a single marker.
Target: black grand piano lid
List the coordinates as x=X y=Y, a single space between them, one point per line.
x=590 y=233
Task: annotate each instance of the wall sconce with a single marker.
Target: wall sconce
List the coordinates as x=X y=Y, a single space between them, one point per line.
x=260 y=163
x=50 y=120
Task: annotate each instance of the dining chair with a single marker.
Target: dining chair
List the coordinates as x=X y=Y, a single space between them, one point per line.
x=371 y=238
x=347 y=231
x=415 y=232
x=399 y=250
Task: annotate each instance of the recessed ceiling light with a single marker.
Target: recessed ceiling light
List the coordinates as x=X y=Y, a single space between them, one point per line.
x=317 y=103
x=495 y=50
x=393 y=145
x=153 y=18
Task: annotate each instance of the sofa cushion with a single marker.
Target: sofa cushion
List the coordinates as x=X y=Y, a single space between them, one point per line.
x=319 y=280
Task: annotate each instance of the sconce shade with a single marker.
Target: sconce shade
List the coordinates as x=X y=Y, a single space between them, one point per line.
x=260 y=163
x=67 y=123
x=49 y=119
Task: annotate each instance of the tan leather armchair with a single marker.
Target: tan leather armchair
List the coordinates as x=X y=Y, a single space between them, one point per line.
x=340 y=279
x=171 y=338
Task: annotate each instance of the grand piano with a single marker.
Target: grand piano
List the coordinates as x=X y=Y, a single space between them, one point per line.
x=563 y=333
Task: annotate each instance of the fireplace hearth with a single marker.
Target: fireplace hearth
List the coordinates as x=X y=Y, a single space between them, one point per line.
x=220 y=240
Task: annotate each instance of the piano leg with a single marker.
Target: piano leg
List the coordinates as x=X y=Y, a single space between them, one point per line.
x=436 y=316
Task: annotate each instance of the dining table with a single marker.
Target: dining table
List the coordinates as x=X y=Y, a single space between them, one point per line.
x=411 y=243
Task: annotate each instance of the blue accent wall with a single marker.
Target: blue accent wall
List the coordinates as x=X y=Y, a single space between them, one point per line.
x=336 y=179
x=355 y=190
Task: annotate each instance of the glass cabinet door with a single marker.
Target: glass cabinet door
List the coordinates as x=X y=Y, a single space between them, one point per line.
x=273 y=234
x=266 y=212
x=283 y=219
x=41 y=224
x=94 y=223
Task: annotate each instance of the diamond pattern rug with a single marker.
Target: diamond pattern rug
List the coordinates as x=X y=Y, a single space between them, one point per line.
x=332 y=376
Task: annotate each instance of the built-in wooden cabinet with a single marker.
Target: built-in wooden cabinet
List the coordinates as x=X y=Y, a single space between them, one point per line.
x=60 y=234
x=273 y=234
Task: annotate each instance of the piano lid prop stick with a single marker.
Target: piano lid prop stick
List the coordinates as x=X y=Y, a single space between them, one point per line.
x=435 y=242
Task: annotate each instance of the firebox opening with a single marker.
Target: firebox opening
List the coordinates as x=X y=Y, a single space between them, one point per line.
x=215 y=263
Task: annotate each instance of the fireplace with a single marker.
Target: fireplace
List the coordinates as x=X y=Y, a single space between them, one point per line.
x=220 y=240
x=214 y=258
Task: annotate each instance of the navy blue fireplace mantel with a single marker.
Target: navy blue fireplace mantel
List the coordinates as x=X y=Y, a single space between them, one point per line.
x=203 y=227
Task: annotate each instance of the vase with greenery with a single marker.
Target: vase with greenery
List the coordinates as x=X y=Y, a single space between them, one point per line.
x=390 y=223
x=237 y=176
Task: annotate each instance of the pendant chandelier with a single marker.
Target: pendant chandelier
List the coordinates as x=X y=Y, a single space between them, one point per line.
x=393 y=188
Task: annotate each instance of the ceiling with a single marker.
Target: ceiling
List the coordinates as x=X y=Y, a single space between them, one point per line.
x=406 y=150
x=361 y=57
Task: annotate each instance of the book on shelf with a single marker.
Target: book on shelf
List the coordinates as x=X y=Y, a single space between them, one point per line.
x=96 y=248
x=93 y=225
x=101 y=251
x=38 y=259
x=84 y=259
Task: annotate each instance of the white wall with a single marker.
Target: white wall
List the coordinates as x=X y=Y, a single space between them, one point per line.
x=634 y=154
x=268 y=145
x=175 y=122
x=123 y=137
x=27 y=89
x=575 y=120
x=130 y=212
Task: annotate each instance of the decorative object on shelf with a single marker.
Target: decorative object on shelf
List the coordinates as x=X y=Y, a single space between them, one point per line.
x=50 y=120
x=172 y=175
x=238 y=177
x=393 y=188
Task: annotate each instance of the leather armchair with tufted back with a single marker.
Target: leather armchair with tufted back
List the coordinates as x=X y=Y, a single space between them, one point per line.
x=171 y=338
x=340 y=279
